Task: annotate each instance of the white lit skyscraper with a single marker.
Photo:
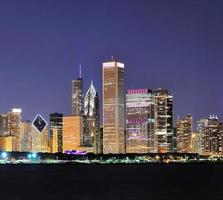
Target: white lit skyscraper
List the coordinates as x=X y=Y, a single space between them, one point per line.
x=91 y=135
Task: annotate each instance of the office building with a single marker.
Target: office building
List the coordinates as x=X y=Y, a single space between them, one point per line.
x=77 y=96
x=211 y=131
x=140 y=121
x=184 y=128
x=39 y=135
x=72 y=131
x=6 y=143
x=3 y=124
x=91 y=135
x=56 y=126
x=196 y=143
x=163 y=121
x=113 y=108
x=54 y=143
x=26 y=136
x=14 y=127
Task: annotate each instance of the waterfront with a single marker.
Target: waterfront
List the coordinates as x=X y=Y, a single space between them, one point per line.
x=111 y=182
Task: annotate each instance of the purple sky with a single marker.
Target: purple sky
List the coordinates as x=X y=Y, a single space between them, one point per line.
x=172 y=44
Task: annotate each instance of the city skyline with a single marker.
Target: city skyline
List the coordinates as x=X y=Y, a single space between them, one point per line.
x=46 y=47
x=111 y=99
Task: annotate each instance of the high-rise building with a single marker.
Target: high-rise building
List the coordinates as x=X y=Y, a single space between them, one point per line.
x=56 y=134
x=184 y=132
x=26 y=136
x=163 y=121
x=211 y=131
x=39 y=140
x=39 y=135
x=3 y=125
x=77 y=96
x=196 y=143
x=14 y=127
x=72 y=131
x=6 y=143
x=139 y=121
x=113 y=108
x=174 y=139
x=54 y=143
x=91 y=134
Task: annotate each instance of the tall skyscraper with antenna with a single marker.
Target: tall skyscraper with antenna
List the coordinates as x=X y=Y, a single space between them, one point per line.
x=77 y=95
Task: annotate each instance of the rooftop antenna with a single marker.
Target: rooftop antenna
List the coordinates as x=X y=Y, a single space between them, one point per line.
x=80 y=71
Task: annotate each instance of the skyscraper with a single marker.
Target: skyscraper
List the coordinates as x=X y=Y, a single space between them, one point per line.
x=6 y=143
x=39 y=135
x=139 y=121
x=184 y=133
x=3 y=124
x=77 y=96
x=163 y=121
x=91 y=135
x=26 y=132
x=56 y=125
x=211 y=131
x=14 y=127
x=113 y=108
x=196 y=143
x=72 y=131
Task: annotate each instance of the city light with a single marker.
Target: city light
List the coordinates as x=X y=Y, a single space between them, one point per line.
x=4 y=155
x=34 y=155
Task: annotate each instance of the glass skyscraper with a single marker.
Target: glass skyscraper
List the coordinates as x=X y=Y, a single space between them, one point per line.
x=139 y=121
x=211 y=131
x=56 y=137
x=77 y=96
x=184 y=128
x=163 y=121
x=91 y=135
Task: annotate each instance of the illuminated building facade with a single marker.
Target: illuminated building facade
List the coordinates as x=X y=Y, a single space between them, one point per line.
x=196 y=143
x=184 y=132
x=139 y=121
x=14 y=127
x=56 y=126
x=72 y=131
x=163 y=121
x=113 y=108
x=77 y=96
x=39 y=135
x=91 y=135
x=39 y=140
x=3 y=125
x=6 y=143
x=26 y=136
x=54 y=140
x=211 y=131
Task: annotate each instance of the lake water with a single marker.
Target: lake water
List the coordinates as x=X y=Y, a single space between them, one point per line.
x=112 y=182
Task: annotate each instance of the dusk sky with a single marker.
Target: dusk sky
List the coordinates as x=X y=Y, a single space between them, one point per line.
x=174 y=44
